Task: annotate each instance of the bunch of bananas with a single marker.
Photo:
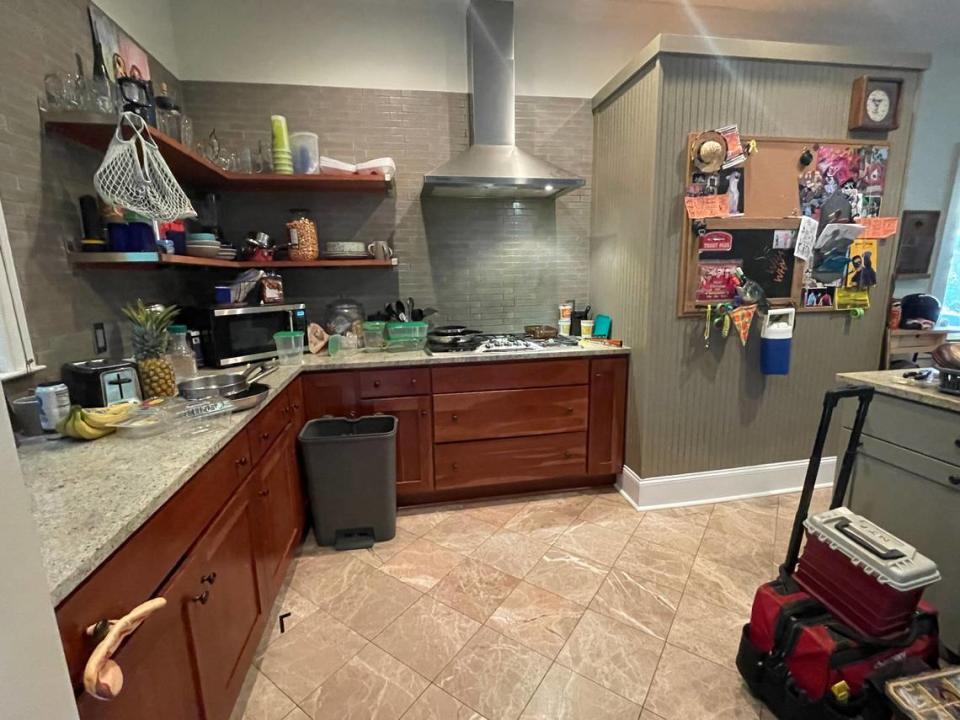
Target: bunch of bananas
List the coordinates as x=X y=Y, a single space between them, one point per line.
x=93 y=423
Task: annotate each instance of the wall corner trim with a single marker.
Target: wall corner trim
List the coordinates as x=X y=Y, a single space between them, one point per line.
x=712 y=486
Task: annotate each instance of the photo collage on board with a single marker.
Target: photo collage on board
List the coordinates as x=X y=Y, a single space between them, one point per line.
x=843 y=183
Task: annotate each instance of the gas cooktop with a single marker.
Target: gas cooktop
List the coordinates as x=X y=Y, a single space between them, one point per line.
x=512 y=342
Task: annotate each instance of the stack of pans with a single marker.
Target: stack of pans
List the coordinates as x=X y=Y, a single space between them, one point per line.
x=450 y=338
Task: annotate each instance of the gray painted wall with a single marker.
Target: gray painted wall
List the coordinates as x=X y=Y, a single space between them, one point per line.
x=493 y=264
x=711 y=409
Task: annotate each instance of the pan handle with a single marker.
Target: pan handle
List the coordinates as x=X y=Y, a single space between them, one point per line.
x=261 y=372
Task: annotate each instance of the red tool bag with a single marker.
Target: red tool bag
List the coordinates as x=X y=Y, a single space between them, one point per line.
x=796 y=653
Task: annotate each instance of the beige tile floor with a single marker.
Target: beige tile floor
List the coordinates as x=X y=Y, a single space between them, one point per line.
x=569 y=606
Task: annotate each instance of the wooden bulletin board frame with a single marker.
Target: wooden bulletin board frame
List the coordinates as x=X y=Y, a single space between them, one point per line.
x=771 y=201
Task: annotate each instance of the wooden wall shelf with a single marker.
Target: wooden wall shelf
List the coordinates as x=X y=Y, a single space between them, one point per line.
x=192 y=169
x=146 y=260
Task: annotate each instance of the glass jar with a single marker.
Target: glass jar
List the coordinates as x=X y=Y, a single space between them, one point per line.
x=180 y=353
x=344 y=316
x=302 y=236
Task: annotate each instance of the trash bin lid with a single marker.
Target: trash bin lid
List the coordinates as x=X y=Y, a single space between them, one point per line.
x=337 y=429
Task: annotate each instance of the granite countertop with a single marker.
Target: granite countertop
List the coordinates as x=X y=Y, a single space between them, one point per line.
x=88 y=497
x=892 y=382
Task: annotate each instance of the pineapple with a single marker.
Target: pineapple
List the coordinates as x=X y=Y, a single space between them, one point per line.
x=150 y=346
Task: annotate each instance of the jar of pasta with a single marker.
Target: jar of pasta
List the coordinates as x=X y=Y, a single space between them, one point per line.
x=302 y=236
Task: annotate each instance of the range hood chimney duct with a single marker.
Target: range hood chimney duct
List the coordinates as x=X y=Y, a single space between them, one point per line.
x=493 y=166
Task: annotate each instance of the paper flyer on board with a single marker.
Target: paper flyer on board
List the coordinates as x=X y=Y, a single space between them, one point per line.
x=806 y=236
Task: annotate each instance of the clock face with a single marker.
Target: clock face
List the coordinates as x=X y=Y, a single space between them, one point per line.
x=878 y=105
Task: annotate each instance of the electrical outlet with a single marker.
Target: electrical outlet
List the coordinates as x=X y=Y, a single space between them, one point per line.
x=99 y=339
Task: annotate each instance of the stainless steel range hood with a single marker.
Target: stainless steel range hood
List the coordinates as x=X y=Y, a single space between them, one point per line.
x=493 y=166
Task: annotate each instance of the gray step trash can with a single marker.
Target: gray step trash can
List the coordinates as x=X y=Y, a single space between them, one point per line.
x=351 y=468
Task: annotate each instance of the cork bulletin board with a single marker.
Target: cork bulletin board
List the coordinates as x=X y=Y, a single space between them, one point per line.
x=777 y=189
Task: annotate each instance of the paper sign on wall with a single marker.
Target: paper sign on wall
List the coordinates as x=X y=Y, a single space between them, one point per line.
x=783 y=239
x=707 y=206
x=806 y=236
x=879 y=227
x=716 y=241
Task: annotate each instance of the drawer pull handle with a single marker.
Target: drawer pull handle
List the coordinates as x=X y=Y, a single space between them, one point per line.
x=423 y=413
x=455 y=417
x=242 y=461
x=598 y=375
x=954 y=479
x=264 y=492
x=456 y=466
x=413 y=381
x=202 y=598
x=209 y=579
x=376 y=383
x=569 y=411
x=102 y=677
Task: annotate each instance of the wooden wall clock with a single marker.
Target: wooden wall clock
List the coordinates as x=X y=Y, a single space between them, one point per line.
x=875 y=103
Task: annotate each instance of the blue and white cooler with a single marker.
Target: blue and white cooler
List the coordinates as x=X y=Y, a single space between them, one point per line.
x=776 y=337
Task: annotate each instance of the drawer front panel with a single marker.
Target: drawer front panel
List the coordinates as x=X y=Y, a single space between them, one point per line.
x=269 y=424
x=509 y=413
x=509 y=461
x=394 y=383
x=920 y=428
x=510 y=375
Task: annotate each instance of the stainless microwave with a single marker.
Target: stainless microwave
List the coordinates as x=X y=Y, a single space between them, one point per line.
x=235 y=335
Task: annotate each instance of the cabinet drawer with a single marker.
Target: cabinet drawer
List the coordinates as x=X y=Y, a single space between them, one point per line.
x=920 y=428
x=509 y=461
x=394 y=383
x=509 y=413
x=510 y=376
x=920 y=465
x=269 y=424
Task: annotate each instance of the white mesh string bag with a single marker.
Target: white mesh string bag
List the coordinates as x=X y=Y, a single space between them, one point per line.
x=146 y=187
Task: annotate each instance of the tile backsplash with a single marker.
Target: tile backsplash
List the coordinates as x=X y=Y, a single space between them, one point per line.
x=492 y=264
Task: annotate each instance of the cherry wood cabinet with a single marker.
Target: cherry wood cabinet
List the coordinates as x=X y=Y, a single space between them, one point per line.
x=280 y=508
x=330 y=393
x=394 y=383
x=510 y=375
x=509 y=413
x=226 y=611
x=608 y=415
x=217 y=552
x=414 y=441
x=512 y=461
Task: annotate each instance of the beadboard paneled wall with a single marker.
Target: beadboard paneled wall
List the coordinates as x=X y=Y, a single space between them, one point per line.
x=706 y=409
x=493 y=264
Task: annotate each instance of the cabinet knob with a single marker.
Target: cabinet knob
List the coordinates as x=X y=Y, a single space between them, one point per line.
x=413 y=381
x=376 y=383
x=265 y=436
x=202 y=597
x=264 y=492
x=569 y=411
x=296 y=406
x=352 y=413
x=567 y=454
x=456 y=466
x=598 y=375
x=454 y=417
x=241 y=461
x=423 y=413
x=954 y=479
x=209 y=579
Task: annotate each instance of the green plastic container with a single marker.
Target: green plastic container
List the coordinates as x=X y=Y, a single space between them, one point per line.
x=407 y=330
x=374 y=339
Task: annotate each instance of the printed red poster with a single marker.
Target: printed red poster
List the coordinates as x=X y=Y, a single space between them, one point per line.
x=716 y=280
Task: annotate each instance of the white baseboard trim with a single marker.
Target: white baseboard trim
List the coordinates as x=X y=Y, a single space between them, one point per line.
x=712 y=486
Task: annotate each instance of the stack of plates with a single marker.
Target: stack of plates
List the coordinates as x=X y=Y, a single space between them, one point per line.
x=203 y=245
x=282 y=162
x=227 y=253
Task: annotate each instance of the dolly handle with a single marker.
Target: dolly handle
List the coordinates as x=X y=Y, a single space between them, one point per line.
x=831 y=398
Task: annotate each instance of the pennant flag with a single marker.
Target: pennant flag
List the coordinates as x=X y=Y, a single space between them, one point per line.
x=743 y=318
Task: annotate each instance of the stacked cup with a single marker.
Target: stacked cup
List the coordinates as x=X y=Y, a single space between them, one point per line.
x=282 y=156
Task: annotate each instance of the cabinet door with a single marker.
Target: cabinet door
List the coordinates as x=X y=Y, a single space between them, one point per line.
x=608 y=407
x=225 y=608
x=295 y=397
x=159 y=679
x=280 y=511
x=330 y=393
x=414 y=440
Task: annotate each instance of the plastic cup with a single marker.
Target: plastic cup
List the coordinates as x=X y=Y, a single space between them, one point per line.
x=586 y=328
x=306 y=153
x=281 y=138
x=564 y=324
x=289 y=347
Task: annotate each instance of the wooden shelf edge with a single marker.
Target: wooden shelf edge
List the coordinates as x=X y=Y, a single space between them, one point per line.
x=193 y=170
x=148 y=259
